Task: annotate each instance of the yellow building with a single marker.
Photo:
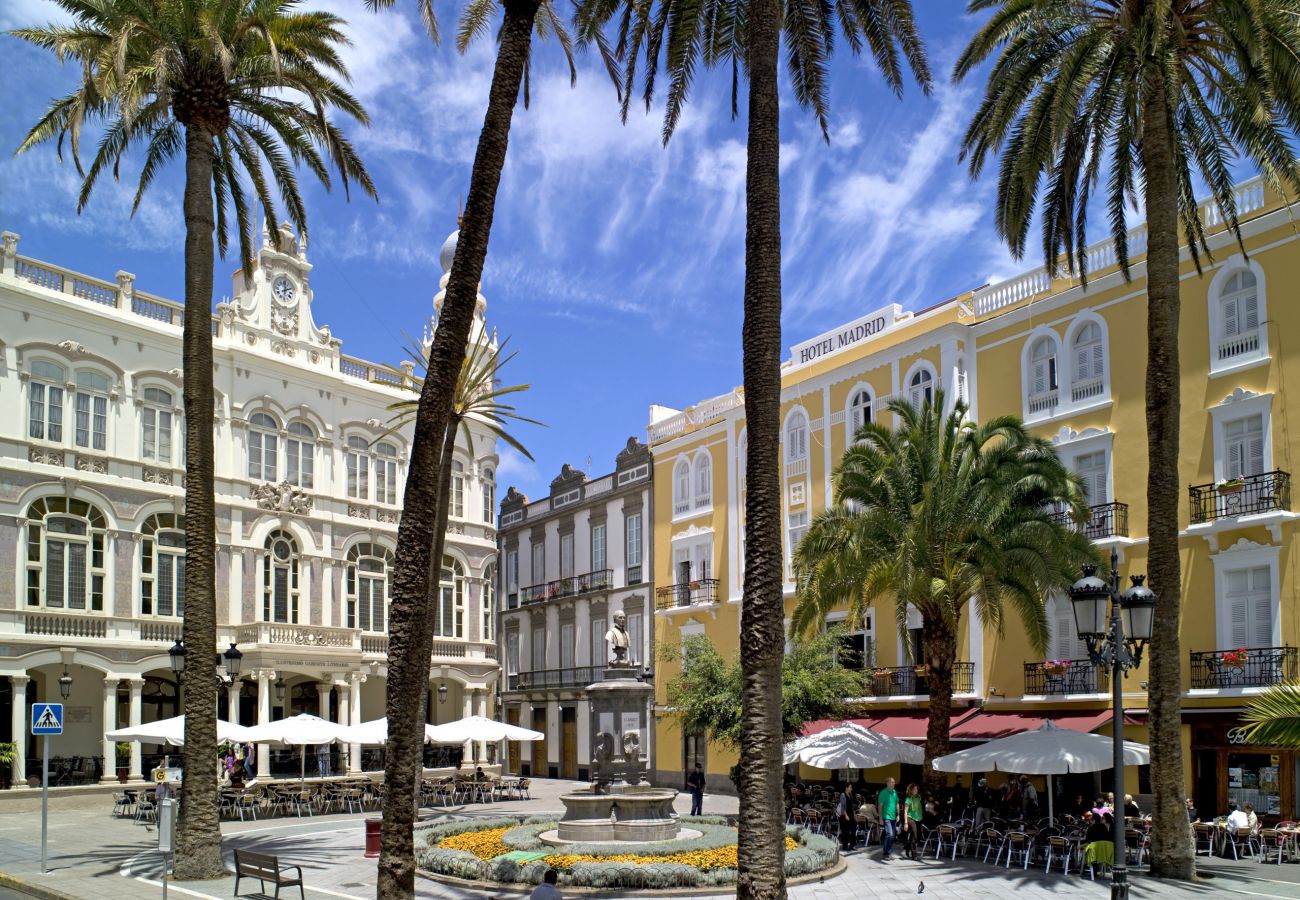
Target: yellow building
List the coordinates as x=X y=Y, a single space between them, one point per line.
x=1071 y=362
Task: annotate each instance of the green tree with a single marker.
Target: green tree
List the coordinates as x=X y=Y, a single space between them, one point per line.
x=1137 y=99
x=1273 y=718
x=233 y=88
x=746 y=37
x=936 y=516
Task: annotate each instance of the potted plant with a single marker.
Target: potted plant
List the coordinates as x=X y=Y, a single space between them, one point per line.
x=1234 y=659
x=8 y=756
x=1230 y=486
x=123 y=749
x=694 y=584
x=1056 y=666
x=920 y=671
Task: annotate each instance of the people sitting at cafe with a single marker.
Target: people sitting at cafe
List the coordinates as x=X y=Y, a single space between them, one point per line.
x=1252 y=820
x=1237 y=818
x=1131 y=808
x=1100 y=828
x=1191 y=811
x=1080 y=806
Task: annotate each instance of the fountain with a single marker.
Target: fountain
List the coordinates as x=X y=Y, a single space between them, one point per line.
x=620 y=805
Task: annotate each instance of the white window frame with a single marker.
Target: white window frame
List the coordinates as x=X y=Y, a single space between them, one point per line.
x=794 y=436
x=567 y=554
x=633 y=539
x=1245 y=555
x=49 y=421
x=356 y=464
x=292 y=569
x=702 y=481
x=537 y=574
x=853 y=408
x=1214 y=299
x=457 y=489
x=94 y=398
x=96 y=597
x=805 y=517
x=681 y=482
x=1071 y=381
x=261 y=438
x=1237 y=406
x=487 y=602
x=599 y=547
x=489 y=491
x=300 y=454
x=385 y=464
x=160 y=417
x=451 y=599
x=913 y=392
x=512 y=571
x=152 y=552
x=354 y=576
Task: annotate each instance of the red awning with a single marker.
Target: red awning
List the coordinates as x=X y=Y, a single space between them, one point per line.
x=989 y=725
x=906 y=725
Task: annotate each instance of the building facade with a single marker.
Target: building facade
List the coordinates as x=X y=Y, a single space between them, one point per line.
x=570 y=562
x=1070 y=360
x=309 y=485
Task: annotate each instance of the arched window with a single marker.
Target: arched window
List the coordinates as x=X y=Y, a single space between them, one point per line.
x=1239 y=314
x=91 y=407
x=489 y=604
x=451 y=599
x=263 y=438
x=156 y=425
x=45 y=402
x=458 y=489
x=681 y=487
x=367 y=586
x=920 y=389
x=162 y=565
x=1089 y=351
x=280 y=579
x=859 y=411
x=385 y=473
x=1042 y=370
x=65 y=555
x=357 y=459
x=489 y=486
x=796 y=436
x=703 y=481
x=299 y=452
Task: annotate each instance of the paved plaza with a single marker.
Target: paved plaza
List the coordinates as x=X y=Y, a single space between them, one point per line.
x=93 y=856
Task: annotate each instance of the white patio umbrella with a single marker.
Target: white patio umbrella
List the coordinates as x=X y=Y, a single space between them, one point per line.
x=376 y=732
x=1047 y=750
x=851 y=746
x=298 y=731
x=478 y=728
x=171 y=732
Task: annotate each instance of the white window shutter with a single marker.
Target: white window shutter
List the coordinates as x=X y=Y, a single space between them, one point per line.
x=1038 y=384
x=1230 y=324
x=1261 y=612
x=1237 y=620
x=1235 y=458
x=1249 y=306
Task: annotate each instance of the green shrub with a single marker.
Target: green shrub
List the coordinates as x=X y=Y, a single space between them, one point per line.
x=526 y=837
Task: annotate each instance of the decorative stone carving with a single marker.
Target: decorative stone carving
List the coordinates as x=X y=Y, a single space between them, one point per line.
x=42 y=455
x=1237 y=395
x=74 y=348
x=284 y=319
x=157 y=476
x=314 y=356
x=92 y=464
x=251 y=340
x=359 y=512
x=388 y=516
x=306 y=638
x=284 y=348
x=282 y=497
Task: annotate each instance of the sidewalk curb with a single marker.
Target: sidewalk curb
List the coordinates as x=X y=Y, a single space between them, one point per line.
x=33 y=890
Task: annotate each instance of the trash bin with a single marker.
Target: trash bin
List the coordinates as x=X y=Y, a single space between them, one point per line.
x=373 y=827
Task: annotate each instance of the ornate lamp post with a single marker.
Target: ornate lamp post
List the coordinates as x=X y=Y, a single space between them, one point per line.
x=1118 y=645
x=65 y=684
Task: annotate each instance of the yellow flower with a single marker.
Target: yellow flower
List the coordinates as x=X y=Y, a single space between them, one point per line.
x=483 y=844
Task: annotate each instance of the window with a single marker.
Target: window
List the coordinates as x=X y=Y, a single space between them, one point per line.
x=703 y=481
x=539 y=562
x=568 y=642
x=451 y=600
x=488 y=604
x=598 y=559
x=681 y=487
x=357 y=460
x=280 y=579
x=386 y=473
x=162 y=566
x=65 y=555
x=1249 y=597
x=1239 y=311
x=859 y=411
x=1063 y=641
x=489 y=497
x=262 y=447
x=1243 y=444
x=367 y=586
x=458 y=489
x=512 y=652
x=1089 y=363
x=634 y=630
x=45 y=402
x=920 y=388
x=539 y=649
x=798 y=528
x=1042 y=374
x=299 y=448
x=1094 y=469
x=512 y=571
x=633 y=529
x=796 y=437
x=598 y=647
x=156 y=425
x=91 y=406
x=566 y=555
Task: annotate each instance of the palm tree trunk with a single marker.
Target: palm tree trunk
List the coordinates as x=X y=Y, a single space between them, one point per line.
x=1172 y=853
x=939 y=643
x=761 y=827
x=198 y=833
x=410 y=625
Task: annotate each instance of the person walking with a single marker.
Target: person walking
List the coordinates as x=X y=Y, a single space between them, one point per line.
x=887 y=803
x=846 y=814
x=912 y=815
x=982 y=797
x=1028 y=799
x=695 y=781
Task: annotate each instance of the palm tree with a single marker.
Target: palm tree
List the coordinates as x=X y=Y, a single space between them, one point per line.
x=939 y=515
x=410 y=627
x=1273 y=718
x=746 y=37
x=233 y=87
x=1119 y=94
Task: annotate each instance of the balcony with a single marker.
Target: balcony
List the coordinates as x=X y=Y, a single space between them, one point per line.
x=1077 y=676
x=1243 y=667
x=1239 y=345
x=688 y=593
x=1044 y=403
x=600 y=580
x=73 y=624
x=910 y=681
x=1105 y=520
x=1263 y=493
x=542 y=679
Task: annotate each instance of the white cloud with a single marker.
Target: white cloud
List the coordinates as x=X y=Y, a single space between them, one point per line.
x=513 y=467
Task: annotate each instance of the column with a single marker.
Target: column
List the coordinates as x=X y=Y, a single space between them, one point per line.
x=354 y=718
x=468 y=696
x=323 y=689
x=264 y=677
x=526 y=747
x=137 y=762
x=232 y=701
x=18 y=722
x=480 y=707
x=110 y=723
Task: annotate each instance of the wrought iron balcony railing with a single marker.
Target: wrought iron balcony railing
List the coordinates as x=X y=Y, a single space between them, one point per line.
x=1266 y=492
x=1105 y=520
x=1244 y=667
x=901 y=681
x=574 y=676
x=600 y=580
x=1063 y=676
x=688 y=593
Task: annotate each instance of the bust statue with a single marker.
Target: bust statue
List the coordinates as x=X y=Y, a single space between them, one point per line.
x=617 y=638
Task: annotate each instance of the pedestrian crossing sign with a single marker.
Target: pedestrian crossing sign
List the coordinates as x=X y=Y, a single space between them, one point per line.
x=47 y=718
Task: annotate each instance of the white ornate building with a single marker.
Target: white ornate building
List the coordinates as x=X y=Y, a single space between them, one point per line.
x=308 y=487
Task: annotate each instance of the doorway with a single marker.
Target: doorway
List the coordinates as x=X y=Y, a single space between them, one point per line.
x=568 y=742
x=540 y=753
x=512 y=747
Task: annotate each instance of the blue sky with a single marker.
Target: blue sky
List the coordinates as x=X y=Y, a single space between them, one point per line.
x=616 y=265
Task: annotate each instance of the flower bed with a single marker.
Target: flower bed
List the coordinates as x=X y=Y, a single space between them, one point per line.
x=488 y=850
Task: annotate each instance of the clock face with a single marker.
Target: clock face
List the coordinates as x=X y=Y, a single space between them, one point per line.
x=283 y=290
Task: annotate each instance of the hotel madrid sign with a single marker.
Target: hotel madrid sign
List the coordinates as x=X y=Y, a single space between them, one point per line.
x=846 y=336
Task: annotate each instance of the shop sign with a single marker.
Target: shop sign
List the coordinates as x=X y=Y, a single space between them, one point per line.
x=1237 y=735
x=832 y=342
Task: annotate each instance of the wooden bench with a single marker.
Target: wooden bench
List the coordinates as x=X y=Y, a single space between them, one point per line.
x=265 y=867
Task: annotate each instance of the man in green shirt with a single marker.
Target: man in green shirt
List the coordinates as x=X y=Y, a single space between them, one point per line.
x=887 y=803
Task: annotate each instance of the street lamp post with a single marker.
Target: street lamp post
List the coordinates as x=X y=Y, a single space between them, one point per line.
x=1118 y=645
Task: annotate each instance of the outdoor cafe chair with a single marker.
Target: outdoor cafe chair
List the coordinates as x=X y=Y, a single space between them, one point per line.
x=992 y=840
x=1136 y=844
x=1242 y=840
x=247 y=802
x=944 y=837
x=123 y=805
x=1273 y=840
x=1204 y=837
x=1059 y=847
x=1016 y=845
x=145 y=808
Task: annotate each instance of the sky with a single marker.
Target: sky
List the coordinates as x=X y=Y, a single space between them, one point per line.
x=616 y=265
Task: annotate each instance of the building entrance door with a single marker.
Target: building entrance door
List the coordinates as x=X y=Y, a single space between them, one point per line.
x=540 y=768
x=512 y=747
x=569 y=742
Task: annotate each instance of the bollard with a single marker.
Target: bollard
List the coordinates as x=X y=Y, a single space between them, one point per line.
x=373 y=827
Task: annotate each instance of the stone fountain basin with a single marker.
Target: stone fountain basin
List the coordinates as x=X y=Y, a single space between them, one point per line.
x=638 y=815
